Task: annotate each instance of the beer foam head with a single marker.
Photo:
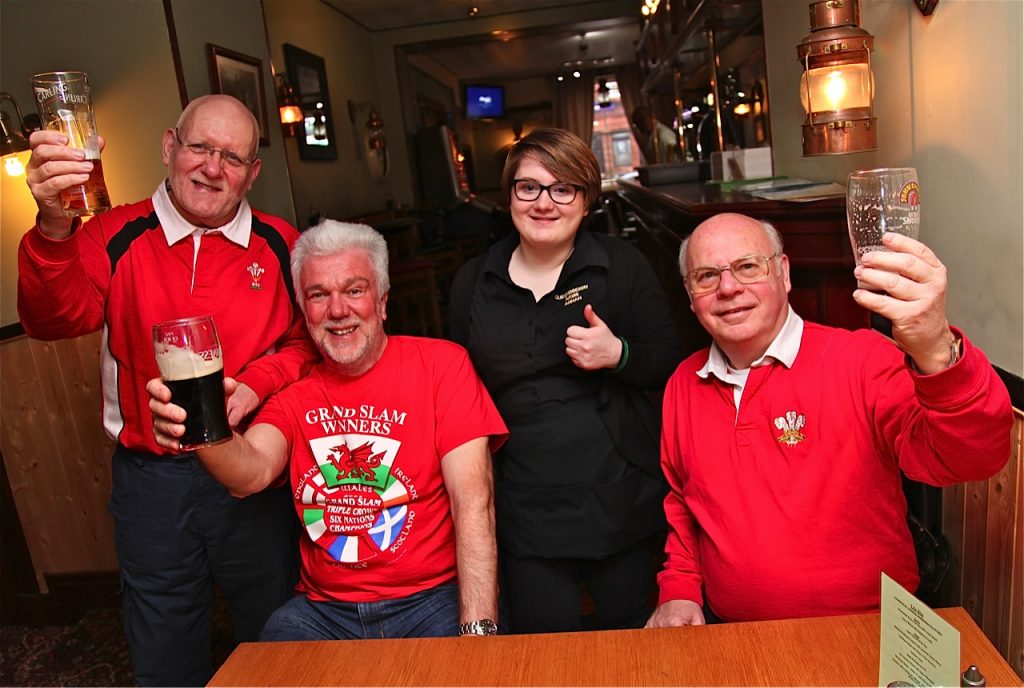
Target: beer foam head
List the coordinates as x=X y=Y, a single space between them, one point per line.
x=176 y=363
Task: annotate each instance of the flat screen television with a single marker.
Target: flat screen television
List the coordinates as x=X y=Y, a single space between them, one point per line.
x=485 y=102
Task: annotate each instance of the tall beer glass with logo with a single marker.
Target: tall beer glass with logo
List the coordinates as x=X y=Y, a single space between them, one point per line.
x=64 y=100
x=880 y=201
x=189 y=357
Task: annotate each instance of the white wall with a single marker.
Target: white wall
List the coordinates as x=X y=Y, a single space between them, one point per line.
x=339 y=188
x=135 y=96
x=948 y=101
x=125 y=48
x=238 y=26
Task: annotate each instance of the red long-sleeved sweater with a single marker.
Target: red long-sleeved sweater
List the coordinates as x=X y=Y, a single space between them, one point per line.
x=117 y=272
x=782 y=514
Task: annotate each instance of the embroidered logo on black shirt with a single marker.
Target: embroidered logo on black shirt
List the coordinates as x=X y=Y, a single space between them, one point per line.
x=572 y=295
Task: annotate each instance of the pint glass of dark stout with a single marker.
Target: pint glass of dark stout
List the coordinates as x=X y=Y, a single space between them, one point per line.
x=189 y=357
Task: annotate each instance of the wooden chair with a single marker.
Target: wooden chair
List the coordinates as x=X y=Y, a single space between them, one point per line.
x=413 y=306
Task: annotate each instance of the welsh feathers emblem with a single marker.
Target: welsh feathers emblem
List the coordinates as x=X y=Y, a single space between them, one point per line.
x=256 y=272
x=791 y=424
x=351 y=504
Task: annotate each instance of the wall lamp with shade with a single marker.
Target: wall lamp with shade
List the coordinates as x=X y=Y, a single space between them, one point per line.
x=371 y=140
x=288 y=108
x=837 y=88
x=14 y=136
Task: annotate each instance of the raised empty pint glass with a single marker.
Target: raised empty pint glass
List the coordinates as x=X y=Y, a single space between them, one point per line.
x=189 y=357
x=64 y=101
x=879 y=201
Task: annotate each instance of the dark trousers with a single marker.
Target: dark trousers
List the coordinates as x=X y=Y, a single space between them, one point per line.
x=178 y=531
x=544 y=595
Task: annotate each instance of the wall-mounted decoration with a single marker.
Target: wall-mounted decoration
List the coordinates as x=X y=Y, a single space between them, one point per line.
x=370 y=139
x=240 y=76
x=308 y=76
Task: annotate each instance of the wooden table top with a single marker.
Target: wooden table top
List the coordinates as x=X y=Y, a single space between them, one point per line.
x=841 y=650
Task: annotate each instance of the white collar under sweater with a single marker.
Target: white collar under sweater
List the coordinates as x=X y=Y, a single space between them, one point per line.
x=176 y=228
x=783 y=349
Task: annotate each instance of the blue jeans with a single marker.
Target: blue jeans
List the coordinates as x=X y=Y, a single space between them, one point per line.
x=177 y=532
x=427 y=614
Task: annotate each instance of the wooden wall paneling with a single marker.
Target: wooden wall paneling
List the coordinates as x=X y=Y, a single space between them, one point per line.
x=80 y=365
x=55 y=485
x=55 y=453
x=974 y=548
x=953 y=513
x=1014 y=651
x=984 y=523
x=999 y=552
x=26 y=437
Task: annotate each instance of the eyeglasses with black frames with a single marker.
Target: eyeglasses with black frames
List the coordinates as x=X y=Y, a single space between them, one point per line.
x=201 y=150
x=562 y=193
x=745 y=270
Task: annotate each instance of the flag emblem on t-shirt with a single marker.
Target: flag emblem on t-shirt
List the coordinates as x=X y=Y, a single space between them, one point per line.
x=386 y=528
x=352 y=506
x=791 y=424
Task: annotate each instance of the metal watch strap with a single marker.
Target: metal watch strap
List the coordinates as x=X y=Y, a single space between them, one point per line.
x=479 y=627
x=956 y=350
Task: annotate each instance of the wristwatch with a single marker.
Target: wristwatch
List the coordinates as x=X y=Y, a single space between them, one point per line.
x=479 y=627
x=956 y=350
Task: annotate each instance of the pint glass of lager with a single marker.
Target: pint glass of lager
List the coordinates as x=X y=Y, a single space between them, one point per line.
x=189 y=357
x=64 y=100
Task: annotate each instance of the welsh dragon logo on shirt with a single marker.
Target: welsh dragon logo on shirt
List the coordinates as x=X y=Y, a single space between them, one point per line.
x=353 y=505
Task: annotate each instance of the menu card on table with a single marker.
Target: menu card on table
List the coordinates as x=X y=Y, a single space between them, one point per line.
x=918 y=648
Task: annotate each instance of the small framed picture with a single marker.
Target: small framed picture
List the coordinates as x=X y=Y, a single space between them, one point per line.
x=240 y=76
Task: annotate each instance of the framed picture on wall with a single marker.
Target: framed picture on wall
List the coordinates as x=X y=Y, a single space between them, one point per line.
x=308 y=76
x=240 y=76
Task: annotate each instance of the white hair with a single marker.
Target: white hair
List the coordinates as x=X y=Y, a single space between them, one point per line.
x=331 y=236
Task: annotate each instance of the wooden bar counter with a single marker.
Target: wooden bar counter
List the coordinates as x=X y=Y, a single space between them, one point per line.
x=841 y=650
x=815 y=237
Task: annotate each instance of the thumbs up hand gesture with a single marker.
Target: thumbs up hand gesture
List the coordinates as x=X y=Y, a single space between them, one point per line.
x=592 y=347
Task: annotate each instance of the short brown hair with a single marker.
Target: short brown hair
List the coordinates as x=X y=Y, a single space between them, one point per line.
x=563 y=154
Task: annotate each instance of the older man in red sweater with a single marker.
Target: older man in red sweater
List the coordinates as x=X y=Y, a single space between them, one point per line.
x=784 y=441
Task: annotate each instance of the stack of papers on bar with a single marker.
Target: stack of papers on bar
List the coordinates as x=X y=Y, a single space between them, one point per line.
x=799 y=190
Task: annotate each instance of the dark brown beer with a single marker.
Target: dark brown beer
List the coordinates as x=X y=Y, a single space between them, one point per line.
x=203 y=401
x=90 y=198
